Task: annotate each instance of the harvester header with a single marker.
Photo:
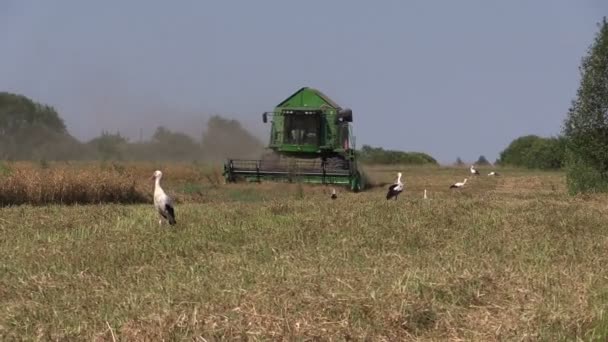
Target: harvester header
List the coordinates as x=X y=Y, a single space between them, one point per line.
x=310 y=141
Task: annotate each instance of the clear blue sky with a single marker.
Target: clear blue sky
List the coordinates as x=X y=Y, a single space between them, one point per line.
x=450 y=78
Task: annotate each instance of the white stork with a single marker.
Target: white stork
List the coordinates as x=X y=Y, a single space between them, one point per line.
x=474 y=171
x=333 y=194
x=458 y=185
x=493 y=173
x=162 y=202
x=395 y=189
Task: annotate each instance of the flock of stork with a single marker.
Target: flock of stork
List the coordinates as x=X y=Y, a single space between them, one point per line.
x=395 y=189
x=165 y=206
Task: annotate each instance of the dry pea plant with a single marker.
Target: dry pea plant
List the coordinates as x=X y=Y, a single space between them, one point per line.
x=504 y=258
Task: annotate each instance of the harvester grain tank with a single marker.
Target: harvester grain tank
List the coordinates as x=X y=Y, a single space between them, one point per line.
x=310 y=141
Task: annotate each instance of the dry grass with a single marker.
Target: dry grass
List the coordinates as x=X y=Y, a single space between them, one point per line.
x=507 y=258
x=86 y=183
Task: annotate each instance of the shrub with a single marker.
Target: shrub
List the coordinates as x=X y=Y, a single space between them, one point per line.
x=534 y=152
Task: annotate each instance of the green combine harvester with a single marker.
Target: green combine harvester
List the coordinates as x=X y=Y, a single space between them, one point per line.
x=311 y=141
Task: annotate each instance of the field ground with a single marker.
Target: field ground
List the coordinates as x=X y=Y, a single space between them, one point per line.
x=506 y=258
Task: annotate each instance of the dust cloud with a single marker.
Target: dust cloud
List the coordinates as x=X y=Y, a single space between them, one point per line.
x=106 y=108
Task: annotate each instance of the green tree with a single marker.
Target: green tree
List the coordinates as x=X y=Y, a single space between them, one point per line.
x=227 y=138
x=482 y=161
x=516 y=153
x=546 y=154
x=18 y=112
x=534 y=152
x=30 y=130
x=378 y=155
x=586 y=125
x=170 y=145
x=109 y=146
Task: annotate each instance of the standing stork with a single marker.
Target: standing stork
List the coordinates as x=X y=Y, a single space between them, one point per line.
x=474 y=171
x=395 y=189
x=162 y=202
x=458 y=185
x=333 y=194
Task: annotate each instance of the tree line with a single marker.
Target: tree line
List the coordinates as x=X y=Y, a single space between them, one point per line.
x=33 y=131
x=377 y=155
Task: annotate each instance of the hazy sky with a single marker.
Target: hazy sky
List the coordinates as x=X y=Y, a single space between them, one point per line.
x=450 y=78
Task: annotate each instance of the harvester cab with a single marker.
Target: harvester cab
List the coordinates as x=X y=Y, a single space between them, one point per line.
x=310 y=141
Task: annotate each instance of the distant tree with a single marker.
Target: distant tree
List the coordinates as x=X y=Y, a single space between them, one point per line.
x=109 y=146
x=482 y=161
x=458 y=162
x=378 y=155
x=30 y=130
x=42 y=143
x=534 y=152
x=516 y=153
x=586 y=125
x=18 y=112
x=227 y=138
x=175 y=145
x=33 y=131
x=547 y=154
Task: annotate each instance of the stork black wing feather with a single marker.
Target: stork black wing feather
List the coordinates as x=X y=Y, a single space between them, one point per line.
x=170 y=214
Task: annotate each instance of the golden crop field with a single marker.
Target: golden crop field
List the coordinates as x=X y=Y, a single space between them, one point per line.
x=505 y=258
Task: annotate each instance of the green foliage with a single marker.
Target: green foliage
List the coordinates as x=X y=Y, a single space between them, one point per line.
x=581 y=177
x=378 y=155
x=586 y=126
x=29 y=130
x=109 y=146
x=168 y=145
x=18 y=112
x=516 y=153
x=225 y=137
x=164 y=145
x=534 y=152
x=482 y=161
